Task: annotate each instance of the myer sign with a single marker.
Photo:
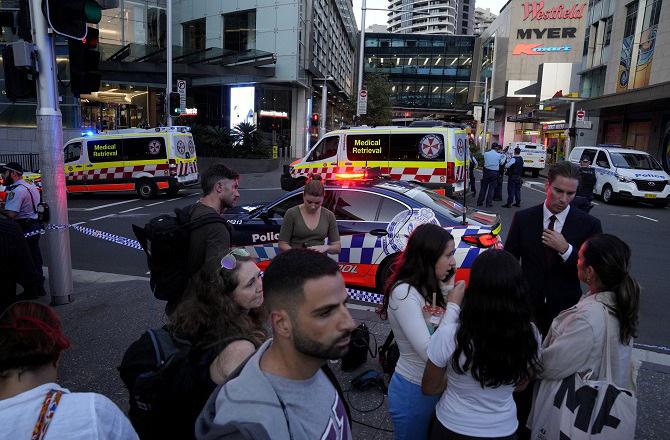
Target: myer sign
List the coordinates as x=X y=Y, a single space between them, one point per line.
x=527 y=34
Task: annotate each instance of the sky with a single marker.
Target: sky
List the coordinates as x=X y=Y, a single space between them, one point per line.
x=379 y=17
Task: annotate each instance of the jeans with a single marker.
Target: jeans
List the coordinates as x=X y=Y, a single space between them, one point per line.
x=411 y=411
x=489 y=182
x=513 y=190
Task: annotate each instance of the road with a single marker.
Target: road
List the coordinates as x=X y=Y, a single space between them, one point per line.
x=644 y=228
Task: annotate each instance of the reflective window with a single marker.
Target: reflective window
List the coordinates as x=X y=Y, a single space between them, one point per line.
x=324 y=149
x=389 y=209
x=144 y=148
x=356 y=205
x=194 y=34
x=72 y=152
x=278 y=211
x=601 y=160
x=239 y=31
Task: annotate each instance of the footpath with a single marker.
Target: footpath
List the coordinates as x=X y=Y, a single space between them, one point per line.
x=110 y=311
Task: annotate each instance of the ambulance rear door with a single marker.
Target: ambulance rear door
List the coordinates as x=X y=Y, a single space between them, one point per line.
x=458 y=144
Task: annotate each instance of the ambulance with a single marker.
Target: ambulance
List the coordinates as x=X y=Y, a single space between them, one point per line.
x=434 y=157
x=534 y=156
x=135 y=159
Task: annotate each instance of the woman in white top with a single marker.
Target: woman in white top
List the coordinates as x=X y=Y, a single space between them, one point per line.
x=32 y=404
x=477 y=360
x=420 y=272
x=576 y=340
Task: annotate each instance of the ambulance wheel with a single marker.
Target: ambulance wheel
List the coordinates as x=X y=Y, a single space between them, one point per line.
x=384 y=272
x=607 y=194
x=146 y=189
x=535 y=172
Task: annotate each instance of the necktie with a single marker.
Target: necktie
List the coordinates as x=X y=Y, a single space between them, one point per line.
x=549 y=253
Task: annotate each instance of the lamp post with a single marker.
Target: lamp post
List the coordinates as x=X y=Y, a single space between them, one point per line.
x=324 y=103
x=168 y=88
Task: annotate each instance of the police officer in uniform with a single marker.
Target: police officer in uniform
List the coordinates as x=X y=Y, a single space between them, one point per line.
x=514 y=168
x=587 y=181
x=21 y=206
x=492 y=162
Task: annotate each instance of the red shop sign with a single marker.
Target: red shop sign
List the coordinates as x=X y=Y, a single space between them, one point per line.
x=536 y=11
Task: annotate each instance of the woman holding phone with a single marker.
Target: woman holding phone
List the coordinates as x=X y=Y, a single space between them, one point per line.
x=416 y=300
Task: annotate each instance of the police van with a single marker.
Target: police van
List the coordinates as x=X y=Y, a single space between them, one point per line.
x=135 y=159
x=431 y=156
x=623 y=173
x=534 y=156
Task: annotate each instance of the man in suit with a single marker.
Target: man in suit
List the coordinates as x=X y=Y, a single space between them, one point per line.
x=546 y=238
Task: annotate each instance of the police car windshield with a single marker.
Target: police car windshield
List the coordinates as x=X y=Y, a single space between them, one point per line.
x=636 y=161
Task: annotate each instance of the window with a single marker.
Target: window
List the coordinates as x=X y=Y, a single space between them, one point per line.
x=587 y=35
x=144 y=148
x=417 y=147
x=389 y=209
x=278 y=210
x=194 y=34
x=637 y=161
x=367 y=147
x=652 y=13
x=588 y=154
x=631 y=18
x=608 y=31
x=601 y=160
x=107 y=150
x=356 y=206
x=156 y=26
x=72 y=152
x=239 y=31
x=325 y=149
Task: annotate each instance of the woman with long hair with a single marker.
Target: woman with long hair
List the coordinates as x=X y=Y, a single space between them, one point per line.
x=309 y=224
x=476 y=362
x=31 y=401
x=415 y=301
x=576 y=340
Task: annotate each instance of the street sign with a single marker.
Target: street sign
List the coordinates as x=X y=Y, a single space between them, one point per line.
x=181 y=89
x=581 y=114
x=362 y=102
x=477 y=113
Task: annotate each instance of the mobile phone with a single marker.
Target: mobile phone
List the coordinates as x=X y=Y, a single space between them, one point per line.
x=450 y=274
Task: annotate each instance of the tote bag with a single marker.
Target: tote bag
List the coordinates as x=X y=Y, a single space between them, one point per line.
x=578 y=408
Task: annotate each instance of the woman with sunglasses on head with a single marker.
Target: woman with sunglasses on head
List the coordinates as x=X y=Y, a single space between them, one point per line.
x=309 y=224
x=31 y=401
x=221 y=316
x=415 y=300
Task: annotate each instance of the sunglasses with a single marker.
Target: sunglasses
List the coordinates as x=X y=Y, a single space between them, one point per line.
x=229 y=262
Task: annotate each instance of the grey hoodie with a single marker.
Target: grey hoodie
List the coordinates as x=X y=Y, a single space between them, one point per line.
x=252 y=408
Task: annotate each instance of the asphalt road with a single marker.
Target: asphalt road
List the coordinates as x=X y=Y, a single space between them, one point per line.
x=644 y=228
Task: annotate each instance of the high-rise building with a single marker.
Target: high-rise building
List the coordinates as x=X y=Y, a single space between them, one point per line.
x=425 y=16
x=483 y=18
x=465 y=17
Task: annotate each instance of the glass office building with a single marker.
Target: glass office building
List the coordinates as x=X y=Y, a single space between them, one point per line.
x=431 y=74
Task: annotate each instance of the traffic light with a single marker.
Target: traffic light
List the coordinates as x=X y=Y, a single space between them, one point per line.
x=160 y=102
x=69 y=18
x=19 y=81
x=175 y=104
x=84 y=63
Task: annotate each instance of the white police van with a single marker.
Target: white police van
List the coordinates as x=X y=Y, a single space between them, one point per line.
x=534 y=156
x=623 y=173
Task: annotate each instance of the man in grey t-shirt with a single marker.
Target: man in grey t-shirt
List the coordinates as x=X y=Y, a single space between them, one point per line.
x=285 y=390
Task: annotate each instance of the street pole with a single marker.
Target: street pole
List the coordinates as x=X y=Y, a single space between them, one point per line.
x=50 y=140
x=168 y=87
x=324 y=108
x=486 y=114
x=571 y=131
x=361 y=57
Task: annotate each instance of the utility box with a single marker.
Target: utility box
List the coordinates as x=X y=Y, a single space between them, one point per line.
x=23 y=53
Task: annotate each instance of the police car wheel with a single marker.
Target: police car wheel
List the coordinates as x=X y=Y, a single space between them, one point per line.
x=607 y=194
x=146 y=189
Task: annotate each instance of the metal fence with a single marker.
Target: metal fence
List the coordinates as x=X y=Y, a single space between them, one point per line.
x=29 y=161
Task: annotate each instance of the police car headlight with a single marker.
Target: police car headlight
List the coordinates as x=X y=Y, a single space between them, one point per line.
x=624 y=179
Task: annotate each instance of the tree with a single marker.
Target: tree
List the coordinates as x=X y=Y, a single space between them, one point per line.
x=379 y=101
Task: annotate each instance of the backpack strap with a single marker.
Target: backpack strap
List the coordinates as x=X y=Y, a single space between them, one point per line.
x=164 y=345
x=331 y=376
x=47 y=411
x=387 y=343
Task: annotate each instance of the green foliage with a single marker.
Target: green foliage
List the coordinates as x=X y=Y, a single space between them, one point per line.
x=244 y=141
x=379 y=101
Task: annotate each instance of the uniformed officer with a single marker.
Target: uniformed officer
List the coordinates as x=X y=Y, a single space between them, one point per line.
x=21 y=206
x=492 y=162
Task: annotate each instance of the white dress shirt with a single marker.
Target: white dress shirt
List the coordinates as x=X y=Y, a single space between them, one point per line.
x=558 y=226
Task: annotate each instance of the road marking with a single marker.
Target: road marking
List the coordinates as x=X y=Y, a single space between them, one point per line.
x=529 y=186
x=77 y=224
x=646 y=218
x=620 y=215
x=131 y=209
x=110 y=204
x=100 y=218
x=156 y=203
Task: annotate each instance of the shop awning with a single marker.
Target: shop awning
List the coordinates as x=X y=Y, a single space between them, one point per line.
x=647 y=95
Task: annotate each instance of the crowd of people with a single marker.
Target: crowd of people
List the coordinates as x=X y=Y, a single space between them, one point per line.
x=251 y=350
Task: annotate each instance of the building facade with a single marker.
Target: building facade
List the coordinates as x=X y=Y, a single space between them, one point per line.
x=431 y=75
x=483 y=18
x=424 y=16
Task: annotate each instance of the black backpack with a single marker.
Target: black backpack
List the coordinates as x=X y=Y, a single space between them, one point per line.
x=389 y=354
x=165 y=240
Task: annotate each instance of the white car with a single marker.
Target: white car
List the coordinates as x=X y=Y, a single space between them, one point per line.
x=623 y=173
x=534 y=156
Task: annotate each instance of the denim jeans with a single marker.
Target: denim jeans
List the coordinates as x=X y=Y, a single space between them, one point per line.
x=411 y=411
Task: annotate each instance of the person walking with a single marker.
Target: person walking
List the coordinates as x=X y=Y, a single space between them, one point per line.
x=587 y=181
x=607 y=315
x=472 y=365
x=514 y=168
x=222 y=318
x=415 y=301
x=309 y=224
x=492 y=161
x=286 y=390
x=31 y=401
x=21 y=206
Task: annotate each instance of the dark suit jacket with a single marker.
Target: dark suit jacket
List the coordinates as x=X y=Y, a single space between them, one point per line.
x=553 y=286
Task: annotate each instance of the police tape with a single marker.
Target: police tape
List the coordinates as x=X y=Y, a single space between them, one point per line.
x=359 y=295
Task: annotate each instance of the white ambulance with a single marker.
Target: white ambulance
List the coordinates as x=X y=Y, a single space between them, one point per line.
x=623 y=173
x=431 y=156
x=135 y=159
x=534 y=156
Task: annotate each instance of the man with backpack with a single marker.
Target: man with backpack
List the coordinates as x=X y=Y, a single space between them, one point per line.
x=285 y=390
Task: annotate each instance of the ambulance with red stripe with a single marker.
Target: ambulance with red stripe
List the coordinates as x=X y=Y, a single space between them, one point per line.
x=434 y=157
x=135 y=159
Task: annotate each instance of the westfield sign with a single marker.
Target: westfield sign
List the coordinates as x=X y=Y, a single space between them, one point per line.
x=536 y=11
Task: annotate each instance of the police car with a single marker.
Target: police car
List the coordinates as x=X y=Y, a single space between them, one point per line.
x=375 y=219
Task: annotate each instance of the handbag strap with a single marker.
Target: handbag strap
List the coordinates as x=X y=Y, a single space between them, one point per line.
x=606 y=360
x=49 y=406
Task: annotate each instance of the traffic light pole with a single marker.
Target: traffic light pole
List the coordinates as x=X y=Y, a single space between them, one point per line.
x=168 y=88
x=50 y=140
